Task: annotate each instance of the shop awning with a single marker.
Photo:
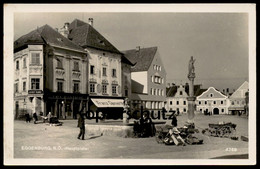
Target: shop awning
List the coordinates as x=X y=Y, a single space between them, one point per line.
x=236 y=108
x=108 y=102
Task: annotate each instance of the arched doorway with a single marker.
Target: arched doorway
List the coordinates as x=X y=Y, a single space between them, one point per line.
x=215 y=111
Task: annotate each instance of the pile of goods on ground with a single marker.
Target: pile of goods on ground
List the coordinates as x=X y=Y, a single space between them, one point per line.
x=177 y=136
x=221 y=129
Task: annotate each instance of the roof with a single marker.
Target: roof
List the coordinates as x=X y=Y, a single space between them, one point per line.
x=46 y=35
x=85 y=35
x=171 y=91
x=240 y=92
x=142 y=58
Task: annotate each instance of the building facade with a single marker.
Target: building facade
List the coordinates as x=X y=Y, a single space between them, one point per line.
x=212 y=101
x=148 y=78
x=238 y=102
x=49 y=73
x=108 y=71
x=177 y=99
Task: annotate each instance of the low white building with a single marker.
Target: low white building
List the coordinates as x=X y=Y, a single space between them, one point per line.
x=212 y=101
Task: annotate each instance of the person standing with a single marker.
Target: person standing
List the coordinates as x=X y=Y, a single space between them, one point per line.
x=81 y=125
x=35 y=119
x=49 y=117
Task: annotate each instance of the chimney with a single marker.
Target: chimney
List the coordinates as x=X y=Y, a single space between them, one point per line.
x=66 y=26
x=90 y=21
x=137 y=48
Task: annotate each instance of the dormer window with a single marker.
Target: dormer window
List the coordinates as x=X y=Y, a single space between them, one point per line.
x=211 y=95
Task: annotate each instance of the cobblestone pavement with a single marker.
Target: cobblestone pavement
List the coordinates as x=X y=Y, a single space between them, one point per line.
x=44 y=141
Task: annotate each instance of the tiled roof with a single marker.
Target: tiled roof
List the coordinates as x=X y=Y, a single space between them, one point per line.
x=85 y=35
x=171 y=91
x=142 y=58
x=46 y=35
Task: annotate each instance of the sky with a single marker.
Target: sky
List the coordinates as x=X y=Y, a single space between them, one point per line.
x=217 y=41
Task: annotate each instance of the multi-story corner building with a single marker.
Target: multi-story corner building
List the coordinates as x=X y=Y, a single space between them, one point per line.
x=176 y=97
x=64 y=70
x=148 y=78
x=49 y=74
x=108 y=71
x=238 y=102
x=212 y=101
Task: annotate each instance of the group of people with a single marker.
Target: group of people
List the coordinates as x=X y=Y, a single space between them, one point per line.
x=35 y=117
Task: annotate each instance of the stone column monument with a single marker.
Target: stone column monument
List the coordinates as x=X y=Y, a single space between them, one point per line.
x=191 y=98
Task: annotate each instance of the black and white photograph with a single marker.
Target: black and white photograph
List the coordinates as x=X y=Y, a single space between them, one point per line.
x=129 y=84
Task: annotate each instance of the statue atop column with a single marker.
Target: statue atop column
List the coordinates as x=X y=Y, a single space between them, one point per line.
x=191 y=98
x=191 y=67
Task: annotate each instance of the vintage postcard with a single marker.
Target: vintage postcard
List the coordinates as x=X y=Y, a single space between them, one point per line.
x=135 y=84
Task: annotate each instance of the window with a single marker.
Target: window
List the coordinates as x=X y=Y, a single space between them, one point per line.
x=92 y=88
x=152 y=78
x=162 y=81
x=184 y=110
x=17 y=65
x=180 y=92
x=59 y=63
x=76 y=65
x=222 y=110
x=154 y=92
x=199 y=102
x=170 y=102
x=211 y=94
x=104 y=89
x=232 y=103
x=151 y=91
x=16 y=87
x=154 y=67
x=214 y=102
x=24 y=62
x=205 y=102
x=35 y=58
x=92 y=69
x=200 y=110
x=177 y=102
x=184 y=102
x=158 y=92
x=76 y=88
x=24 y=86
x=126 y=92
x=221 y=102
x=113 y=89
x=113 y=72
x=35 y=83
x=162 y=92
x=59 y=86
x=104 y=71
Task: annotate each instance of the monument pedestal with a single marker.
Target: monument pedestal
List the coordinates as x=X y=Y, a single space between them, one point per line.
x=191 y=107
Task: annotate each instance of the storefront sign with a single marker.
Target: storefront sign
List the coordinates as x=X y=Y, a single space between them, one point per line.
x=108 y=102
x=35 y=91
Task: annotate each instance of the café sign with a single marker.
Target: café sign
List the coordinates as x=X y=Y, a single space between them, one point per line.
x=35 y=91
x=108 y=102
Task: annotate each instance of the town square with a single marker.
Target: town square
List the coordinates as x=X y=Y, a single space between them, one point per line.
x=131 y=85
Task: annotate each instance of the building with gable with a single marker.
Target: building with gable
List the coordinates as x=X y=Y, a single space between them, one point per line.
x=238 y=102
x=49 y=74
x=108 y=72
x=148 y=78
x=212 y=101
x=176 y=97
